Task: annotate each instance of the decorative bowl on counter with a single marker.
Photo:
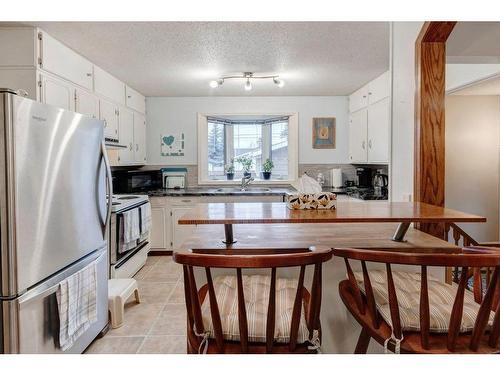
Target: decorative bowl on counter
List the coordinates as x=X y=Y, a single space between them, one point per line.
x=315 y=201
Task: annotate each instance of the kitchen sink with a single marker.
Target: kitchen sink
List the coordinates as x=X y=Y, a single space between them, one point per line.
x=240 y=190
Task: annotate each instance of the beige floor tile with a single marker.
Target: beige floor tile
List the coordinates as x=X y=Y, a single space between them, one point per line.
x=152 y=260
x=171 y=321
x=155 y=292
x=166 y=259
x=139 y=318
x=178 y=294
x=143 y=272
x=115 y=345
x=164 y=272
x=163 y=345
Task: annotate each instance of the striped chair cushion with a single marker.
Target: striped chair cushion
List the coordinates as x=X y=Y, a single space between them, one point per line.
x=256 y=291
x=407 y=284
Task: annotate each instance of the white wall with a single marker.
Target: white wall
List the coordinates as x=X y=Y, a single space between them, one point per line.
x=171 y=114
x=472 y=160
x=403 y=36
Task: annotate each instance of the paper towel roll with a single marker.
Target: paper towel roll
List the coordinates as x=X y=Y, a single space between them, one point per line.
x=336 y=177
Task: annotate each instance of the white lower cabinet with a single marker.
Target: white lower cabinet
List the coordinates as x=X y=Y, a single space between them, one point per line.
x=158 y=237
x=167 y=234
x=181 y=233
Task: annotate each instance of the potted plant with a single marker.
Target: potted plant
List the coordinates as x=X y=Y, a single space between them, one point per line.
x=267 y=167
x=230 y=170
x=246 y=163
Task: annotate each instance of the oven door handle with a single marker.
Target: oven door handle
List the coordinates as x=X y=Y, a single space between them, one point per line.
x=109 y=187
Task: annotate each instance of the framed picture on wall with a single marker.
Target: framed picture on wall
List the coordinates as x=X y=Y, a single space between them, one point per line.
x=323 y=132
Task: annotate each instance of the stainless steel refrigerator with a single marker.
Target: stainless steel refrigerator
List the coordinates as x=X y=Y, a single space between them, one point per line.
x=54 y=175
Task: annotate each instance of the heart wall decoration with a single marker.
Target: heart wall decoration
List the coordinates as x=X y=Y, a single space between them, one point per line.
x=172 y=144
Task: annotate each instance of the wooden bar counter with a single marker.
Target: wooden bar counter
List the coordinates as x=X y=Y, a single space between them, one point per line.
x=403 y=213
x=368 y=225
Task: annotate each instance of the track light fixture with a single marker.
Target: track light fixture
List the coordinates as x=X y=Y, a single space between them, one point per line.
x=248 y=76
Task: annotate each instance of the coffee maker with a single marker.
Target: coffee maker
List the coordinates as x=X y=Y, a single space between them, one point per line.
x=364 y=177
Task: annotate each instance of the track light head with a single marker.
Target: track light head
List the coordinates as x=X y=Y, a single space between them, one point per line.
x=214 y=84
x=248 y=85
x=279 y=82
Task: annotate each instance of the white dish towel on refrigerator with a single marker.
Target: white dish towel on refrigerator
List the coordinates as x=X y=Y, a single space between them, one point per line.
x=76 y=303
x=129 y=229
x=145 y=221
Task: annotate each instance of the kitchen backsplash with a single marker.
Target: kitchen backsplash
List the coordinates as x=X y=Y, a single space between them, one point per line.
x=348 y=171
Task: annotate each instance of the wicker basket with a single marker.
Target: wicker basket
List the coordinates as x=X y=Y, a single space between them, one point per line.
x=316 y=201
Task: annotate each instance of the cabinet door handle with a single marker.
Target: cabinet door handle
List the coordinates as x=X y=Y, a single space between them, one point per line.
x=89 y=74
x=369 y=93
x=363 y=145
x=105 y=123
x=370 y=143
x=136 y=147
x=186 y=200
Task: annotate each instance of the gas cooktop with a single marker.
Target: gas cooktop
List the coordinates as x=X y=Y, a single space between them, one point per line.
x=368 y=193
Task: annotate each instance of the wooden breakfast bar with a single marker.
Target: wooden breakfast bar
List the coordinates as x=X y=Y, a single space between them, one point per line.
x=250 y=227
x=402 y=213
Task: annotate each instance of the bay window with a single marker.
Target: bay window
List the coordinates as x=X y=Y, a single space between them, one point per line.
x=239 y=144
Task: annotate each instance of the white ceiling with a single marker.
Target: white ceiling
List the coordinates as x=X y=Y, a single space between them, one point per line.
x=474 y=42
x=179 y=59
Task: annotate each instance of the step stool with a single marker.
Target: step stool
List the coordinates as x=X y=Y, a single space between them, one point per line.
x=119 y=291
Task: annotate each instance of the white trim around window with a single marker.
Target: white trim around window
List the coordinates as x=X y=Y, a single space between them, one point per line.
x=293 y=149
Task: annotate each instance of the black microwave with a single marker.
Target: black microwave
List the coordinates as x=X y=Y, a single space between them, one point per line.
x=136 y=181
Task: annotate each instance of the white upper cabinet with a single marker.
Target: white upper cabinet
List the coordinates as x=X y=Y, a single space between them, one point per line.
x=56 y=92
x=378 y=132
x=108 y=86
x=140 y=138
x=135 y=100
x=56 y=58
x=379 y=88
x=86 y=103
x=108 y=112
x=370 y=93
x=358 y=128
x=369 y=126
x=126 y=155
x=358 y=99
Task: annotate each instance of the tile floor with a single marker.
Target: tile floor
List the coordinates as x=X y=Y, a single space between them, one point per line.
x=158 y=323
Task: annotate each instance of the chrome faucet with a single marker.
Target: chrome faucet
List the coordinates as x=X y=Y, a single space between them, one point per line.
x=245 y=181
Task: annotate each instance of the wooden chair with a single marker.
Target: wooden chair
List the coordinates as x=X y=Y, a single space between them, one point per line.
x=386 y=320
x=209 y=332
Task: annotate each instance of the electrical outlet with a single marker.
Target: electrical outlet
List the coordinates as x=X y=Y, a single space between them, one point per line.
x=407 y=197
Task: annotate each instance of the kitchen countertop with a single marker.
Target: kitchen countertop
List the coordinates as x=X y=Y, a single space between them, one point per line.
x=229 y=190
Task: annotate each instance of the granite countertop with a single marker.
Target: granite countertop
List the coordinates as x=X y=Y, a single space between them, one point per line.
x=230 y=190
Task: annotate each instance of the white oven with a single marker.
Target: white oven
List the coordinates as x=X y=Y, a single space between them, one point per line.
x=126 y=263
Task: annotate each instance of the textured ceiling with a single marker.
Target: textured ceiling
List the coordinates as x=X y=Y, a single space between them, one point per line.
x=179 y=59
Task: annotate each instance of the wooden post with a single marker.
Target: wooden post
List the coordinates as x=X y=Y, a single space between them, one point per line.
x=430 y=54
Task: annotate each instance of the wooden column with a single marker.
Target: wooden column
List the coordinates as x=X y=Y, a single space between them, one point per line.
x=430 y=54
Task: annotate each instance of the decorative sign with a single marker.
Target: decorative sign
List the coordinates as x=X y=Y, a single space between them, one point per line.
x=172 y=145
x=323 y=132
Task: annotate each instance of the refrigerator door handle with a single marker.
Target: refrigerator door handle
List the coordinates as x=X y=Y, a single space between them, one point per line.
x=109 y=186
